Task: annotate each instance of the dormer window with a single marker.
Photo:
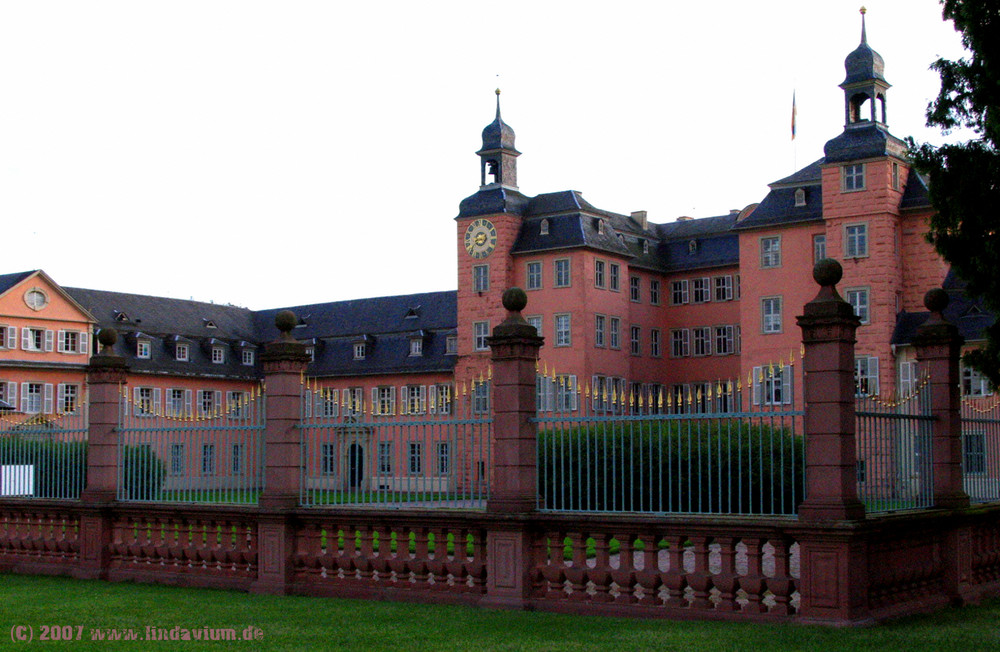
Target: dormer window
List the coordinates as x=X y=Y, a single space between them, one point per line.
x=416 y=347
x=800 y=197
x=413 y=313
x=142 y=349
x=311 y=352
x=600 y=227
x=451 y=345
x=543 y=227
x=182 y=353
x=121 y=316
x=693 y=247
x=218 y=355
x=247 y=357
x=645 y=246
x=359 y=351
x=209 y=323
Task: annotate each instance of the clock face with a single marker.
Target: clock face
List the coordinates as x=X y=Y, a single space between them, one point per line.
x=480 y=238
x=36 y=299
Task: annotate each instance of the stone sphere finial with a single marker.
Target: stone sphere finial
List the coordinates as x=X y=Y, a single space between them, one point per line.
x=107 y=337
x=285 y=321
x=936 y=300
x=514 y=299
x=828 y=272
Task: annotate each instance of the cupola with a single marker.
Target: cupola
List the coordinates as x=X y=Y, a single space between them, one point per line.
x=498 y=164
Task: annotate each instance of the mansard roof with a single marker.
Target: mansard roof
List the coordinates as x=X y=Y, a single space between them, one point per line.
x=916 y=193
x=965 y=312
x=778 y=207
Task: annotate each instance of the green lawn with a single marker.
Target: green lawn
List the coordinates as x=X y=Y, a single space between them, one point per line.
x=300 y=623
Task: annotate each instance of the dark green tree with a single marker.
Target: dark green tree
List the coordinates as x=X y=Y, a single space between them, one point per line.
x=965 y=177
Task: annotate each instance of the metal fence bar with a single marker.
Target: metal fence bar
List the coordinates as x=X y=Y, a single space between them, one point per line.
x=981 y=447
x=649 y=449
x=209 y=451
x=415 y=449
x=44 y=455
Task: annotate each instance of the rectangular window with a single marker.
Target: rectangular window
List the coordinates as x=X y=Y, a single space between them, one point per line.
x=855 y=241
x=974 y=453
x=562 y=330
x=770 y=252
x=208 y=459
x=534 y=280
x=415 y=399
x=480 y=278
x=635 y=289
x=562 y=278
x=858 y=298
x=635 y=342
x=67 y=398
x=69 y=341
x=702 y=337
x=600 y=323
x=142 y=349
x=481 y=397
x=480 y=331
x=31 y=398
x=819 y=247
x=8 y=337
x=770 y=314
x=895 y=175
x=207 y=401
x=443 y=458
x=237 y=459
x=724 y=340
x=536 y=321
x=328 y=457
x=566 y=393
x=385 y=400
x=176 y=459
x=679 y=292
x=327 y=402
x=700 y=290
x=853 y=177
x=974 y=383
x=218 y=355
x=354 y=401
x=614 y=332
x=599 y=281
x=416 y=458
x=865 y=376
x=416 y=347
x=144 y=402
x=907 y=377
x=246 y=357
x=615 y=274
x=176 y=403
x=440 y=399
x=772 y=385
x=451 y=345
x=238 y=404
x=654 y=342
x=385 y=458
x=723 y=288
x=182 y=353
x=654 y=292
x=359 y=351
x=680 y=343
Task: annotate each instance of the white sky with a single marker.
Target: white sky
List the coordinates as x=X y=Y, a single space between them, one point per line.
x=270 y=154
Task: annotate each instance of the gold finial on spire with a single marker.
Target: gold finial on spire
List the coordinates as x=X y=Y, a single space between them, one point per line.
x=863 y=12
x=498 y=90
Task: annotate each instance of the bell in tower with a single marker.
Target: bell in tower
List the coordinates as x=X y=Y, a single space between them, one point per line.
x=865 y=85
x=498 y=158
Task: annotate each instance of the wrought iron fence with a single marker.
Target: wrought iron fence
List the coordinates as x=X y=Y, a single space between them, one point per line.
x=981 y=447
x=409 y=446
x=44 y=455
x=181 y=446
x=895 y=463
x=718 y=447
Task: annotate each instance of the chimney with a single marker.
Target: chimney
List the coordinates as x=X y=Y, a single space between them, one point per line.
x=640 y=217
x=684 y=218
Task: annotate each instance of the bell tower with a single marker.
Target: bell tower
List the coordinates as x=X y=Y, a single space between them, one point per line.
x=498 y=158
x=865 y=85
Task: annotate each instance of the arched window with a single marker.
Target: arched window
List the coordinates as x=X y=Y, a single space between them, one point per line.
x=543 y=227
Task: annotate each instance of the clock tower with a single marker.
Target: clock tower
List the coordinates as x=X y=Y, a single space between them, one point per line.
x=488 y=224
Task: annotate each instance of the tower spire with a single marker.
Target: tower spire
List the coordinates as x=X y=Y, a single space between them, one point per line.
x=498 y=154
x=864 y=36
x=498 y=103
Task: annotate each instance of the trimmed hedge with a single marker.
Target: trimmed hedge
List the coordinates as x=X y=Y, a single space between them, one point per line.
x=672 y=466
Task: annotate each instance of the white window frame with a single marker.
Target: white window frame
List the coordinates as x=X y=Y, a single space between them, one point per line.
x=218 y=355
x=73 y=342
x=772 y=389
x=360 y=351
x=600 y=330
x=852 y=177
x=679 y=292
x=860 y=300
x=563 y=329
x=680 y=342
x=974 y=383
x=701 y=290
x=182 y=352
x=865 y=375
x=615 y=332
x=480 y=331
x=561 y=272
x=856 y=240
x=723 y=287
x=770 y=315
x=451 y=345
x=600 y=274
x=67 y=398
x=143 y=349
x=246 y=357
x=416 y=347
x=770 y=251
x=480 y=278
x=536 y=321
x=635 y=340
x=819 y=247
x=701 y=341
x=635 y=289
x=533 y=275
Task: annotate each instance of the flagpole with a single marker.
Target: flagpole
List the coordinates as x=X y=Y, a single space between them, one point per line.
x=795 y=146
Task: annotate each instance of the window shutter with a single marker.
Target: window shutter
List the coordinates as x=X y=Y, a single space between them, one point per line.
x=60 y=395
x=25 y=339
x=217 y=401
x=11 y=394
x=83 y=342
x=187 y=401
x=432 y=399
x=157 y=396
x=310 y=400
x=873 y=375
x=423 y=399
x=375 y=406
x=135 y=399
x=12 y=337
x=47 y=396
x=48 y=341
x=392 y=400
x=786 y=384
x=756 y=386
x=61 y=341
x=404 y=399
x=24 y=397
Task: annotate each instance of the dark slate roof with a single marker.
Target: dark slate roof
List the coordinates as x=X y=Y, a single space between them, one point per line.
x=490 y=200
x=778 y=207
x=863 y=140
x=915 y=195
x=335 y=327
x=864 y=63
x=7 y=281
x=498 y=134
x=967 y=313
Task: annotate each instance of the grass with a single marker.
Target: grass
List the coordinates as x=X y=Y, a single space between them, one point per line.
x=301 y=623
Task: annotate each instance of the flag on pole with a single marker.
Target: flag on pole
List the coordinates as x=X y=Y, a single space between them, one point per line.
x=793 y=115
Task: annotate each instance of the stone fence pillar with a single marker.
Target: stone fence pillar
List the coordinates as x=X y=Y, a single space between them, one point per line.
x=833 y=558
x=105 y=376
x=284 y=361
x=513 y=490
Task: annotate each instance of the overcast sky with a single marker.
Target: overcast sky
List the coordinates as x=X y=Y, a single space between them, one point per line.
x=272 y=154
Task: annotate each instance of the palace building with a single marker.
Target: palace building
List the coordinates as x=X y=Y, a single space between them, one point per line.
x=626 y=306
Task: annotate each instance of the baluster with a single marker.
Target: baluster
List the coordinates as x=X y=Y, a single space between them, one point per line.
x=674 y=578
x=649 y=577
x=398 y=561
x=346 y=560
x=624 y=575
x=726 y=580
x=383 y=572
x=600 y=575
x=577 y=571
x=455 y=563
x=552 y=565
x=701 y=579
x=781 y=585
x=421 y=553
x=753 y=581
x=477 y=568
x=364 y=562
